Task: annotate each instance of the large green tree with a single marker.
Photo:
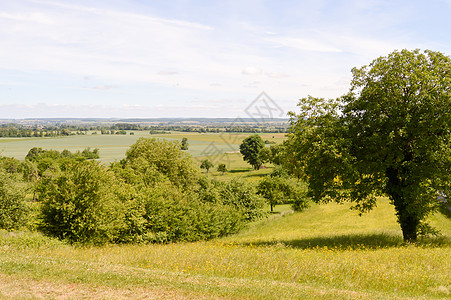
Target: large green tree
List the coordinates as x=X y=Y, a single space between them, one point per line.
x=390 y=135
x=250 y=149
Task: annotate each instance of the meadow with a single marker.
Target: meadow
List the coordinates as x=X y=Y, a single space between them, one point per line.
x=325 y=252
x=113 y=147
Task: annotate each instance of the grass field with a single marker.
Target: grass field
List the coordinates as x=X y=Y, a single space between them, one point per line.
x=113 y=147
x=325 y=252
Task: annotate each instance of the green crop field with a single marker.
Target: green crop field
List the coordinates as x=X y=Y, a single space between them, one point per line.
x=325 y=252
x=113 y=147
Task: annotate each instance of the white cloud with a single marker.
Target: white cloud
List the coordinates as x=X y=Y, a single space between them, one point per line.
x=251 y=71
x=105 y=87
x=304 y=44
x=166 y=73
x=35 y=17
x=277 y=75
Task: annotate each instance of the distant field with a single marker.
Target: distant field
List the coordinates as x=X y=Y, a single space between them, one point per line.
x=113 y=147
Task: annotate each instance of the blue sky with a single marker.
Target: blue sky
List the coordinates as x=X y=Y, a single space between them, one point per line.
x=184 y=58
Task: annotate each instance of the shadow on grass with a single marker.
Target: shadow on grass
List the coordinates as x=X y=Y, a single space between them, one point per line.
x=354 y=241
x=240 y=170
x=260 y=175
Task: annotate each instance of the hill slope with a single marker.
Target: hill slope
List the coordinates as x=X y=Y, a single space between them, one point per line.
x=326 y=252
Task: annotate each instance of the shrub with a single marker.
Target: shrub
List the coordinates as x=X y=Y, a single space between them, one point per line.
x=183 y=217
x=13 y=209
x=80 y=205
x=163 y=156
x=242 y=195
x=165 y=213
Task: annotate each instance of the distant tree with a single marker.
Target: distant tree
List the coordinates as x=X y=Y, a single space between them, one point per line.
x=278 y=190
x=206 y=164
x=88 y=154
x=66 y=153
x=250 y=149
x=222 y=168
x=184 y=144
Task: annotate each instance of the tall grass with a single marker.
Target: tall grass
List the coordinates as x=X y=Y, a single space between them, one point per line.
x=326 y=252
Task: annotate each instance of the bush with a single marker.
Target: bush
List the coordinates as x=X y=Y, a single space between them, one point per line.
x=154 y=195
x=163 y=156
x=242 y=195
x=80 y=205
x=13 y=209
x=183 y=217
x=164 y=213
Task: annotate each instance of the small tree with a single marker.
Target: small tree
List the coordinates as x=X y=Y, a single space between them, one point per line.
x=222 y=168
x=206 y=164
x=184 y=144
x=250 y=149
x=276 y=190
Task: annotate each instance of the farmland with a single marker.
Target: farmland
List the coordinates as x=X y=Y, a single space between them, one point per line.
x=113 y=147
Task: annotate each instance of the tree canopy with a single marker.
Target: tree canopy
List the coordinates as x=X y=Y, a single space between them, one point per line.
x=250 y=149
x=207 y=165
x=390 y=135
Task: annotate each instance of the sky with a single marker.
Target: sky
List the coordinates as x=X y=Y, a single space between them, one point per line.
x=186 y=58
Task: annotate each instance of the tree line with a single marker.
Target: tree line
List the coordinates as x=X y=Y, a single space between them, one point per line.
x=18 y=130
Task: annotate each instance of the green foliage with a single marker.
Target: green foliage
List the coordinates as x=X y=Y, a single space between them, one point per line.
x=155 y=194
x=163 y=206
x=51 y=161
x=184 y=145
x=243 y=196
x=264 y=155
x=29 y=171
x=80 y=205
x=250 y=149
x=222 y=168
x=206 y=164
x=163 y=157
x=13 y=209
x=173 y=215
x=278 y=190
x=390 y=135
x=9 y=164
x=88 y=154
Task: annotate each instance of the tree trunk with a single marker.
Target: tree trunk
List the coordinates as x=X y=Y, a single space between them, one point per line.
x=407 y=218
